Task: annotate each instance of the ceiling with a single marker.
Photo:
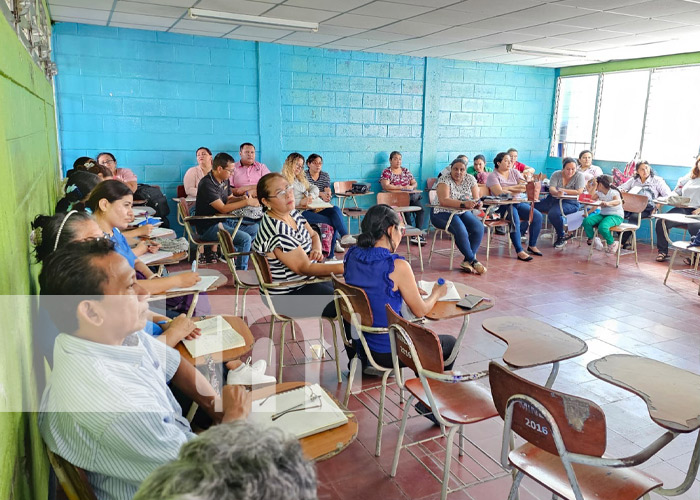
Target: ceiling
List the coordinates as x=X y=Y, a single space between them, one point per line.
x=474 y=30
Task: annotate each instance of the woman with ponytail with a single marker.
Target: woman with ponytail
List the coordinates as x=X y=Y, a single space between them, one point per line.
x=387 y=278
x=79 y=184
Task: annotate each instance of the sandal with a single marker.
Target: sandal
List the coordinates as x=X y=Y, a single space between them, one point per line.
x=688 y=261
x=661 y=257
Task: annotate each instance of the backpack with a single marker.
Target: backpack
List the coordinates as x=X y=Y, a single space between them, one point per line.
x=622 y=177
x=326 y=233
x=155 y=199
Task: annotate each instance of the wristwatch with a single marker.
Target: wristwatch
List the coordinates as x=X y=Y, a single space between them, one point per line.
x=462 y=204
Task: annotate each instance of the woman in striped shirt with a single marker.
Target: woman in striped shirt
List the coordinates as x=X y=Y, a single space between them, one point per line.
x=293 y=251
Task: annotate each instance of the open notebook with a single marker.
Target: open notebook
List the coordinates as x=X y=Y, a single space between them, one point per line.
x=201 y=286
x=319 y=411
x=317 y=203
x=217 y=335
x=452 y=293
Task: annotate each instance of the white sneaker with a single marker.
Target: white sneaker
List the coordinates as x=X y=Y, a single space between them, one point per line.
x=338 y=247
x=346 y=240
x=613 y=247
x=597 y=244
x=247 y=374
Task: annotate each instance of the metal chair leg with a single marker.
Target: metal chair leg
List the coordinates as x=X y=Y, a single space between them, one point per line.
x=351 y=378
x=461 y=440
x=670 y=264
x=271 y=346
x=432 y=248
x=281 y=360
x=448 y=461
x=399 y=441
x=336 y=351
x=380 y=415
x=452 y=253
x=514 y=489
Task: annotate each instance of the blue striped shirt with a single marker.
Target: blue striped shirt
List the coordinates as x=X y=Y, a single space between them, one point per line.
x=108 y=410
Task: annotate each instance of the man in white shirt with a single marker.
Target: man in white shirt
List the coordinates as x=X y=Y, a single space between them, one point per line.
x=108 y=408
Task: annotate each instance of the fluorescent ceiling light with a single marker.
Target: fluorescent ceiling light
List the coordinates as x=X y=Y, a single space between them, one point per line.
x=245 y=20
x=542 y=51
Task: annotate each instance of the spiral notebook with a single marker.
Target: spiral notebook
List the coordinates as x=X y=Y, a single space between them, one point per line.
x=301 y=412
x=217 y=335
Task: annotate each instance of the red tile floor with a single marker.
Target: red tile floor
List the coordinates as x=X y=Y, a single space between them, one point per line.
x=624 y=310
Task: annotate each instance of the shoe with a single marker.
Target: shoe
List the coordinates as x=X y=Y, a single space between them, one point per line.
x=534 y=252
x=597 y=244
x=500 y=230
x=627 y=246
x=589 y=241
x=371 y=371
x=418 y=240
x=347 y=240
x=478 y=267
x=202 y=259
x=426 y=412
x=467 y=267
x=661 y=257
x=525 y=259
x=247 y=374
x=560 y=243
x=338 y=247
x=568 y=236
x=613 y=247
x=210 y=258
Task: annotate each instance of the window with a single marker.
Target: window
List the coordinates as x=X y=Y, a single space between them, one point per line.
x=672 y=132
x=653 y=110
x=575 y=114
x=621 y=118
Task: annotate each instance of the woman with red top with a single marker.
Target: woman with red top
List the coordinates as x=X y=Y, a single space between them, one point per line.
x=398 y=178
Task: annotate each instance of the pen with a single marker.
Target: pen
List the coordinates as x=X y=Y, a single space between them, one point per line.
x=440 y=281
x=194 y=265
x=162 y=322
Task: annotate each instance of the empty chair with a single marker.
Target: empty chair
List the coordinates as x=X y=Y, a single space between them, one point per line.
x=565 y=441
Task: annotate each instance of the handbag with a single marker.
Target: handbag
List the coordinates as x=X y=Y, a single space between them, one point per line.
x=533 y=189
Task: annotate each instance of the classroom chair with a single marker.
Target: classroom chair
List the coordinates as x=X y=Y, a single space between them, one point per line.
x=565 y=441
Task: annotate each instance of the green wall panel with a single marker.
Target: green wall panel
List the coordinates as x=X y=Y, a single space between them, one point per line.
x=29 y=173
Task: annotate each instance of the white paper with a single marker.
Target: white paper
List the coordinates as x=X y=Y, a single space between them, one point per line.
x=201 y=286
x=452 y=293
x=299 y=423
x=160 y=232
x=217 y=335
x=318 y=203
x=148 y=257
x=574 y=221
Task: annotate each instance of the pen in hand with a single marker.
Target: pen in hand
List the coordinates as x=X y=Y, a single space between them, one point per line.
x=194 y=265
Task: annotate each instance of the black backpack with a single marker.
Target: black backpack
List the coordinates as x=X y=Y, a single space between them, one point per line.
x=155 y=199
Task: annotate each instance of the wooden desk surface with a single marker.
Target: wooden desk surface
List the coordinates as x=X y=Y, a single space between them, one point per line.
x=512 y=201
x=350 y=195
x=532 y=342
x=228 y=355
x=447 y=310
x=323 y=445
x=672 y=394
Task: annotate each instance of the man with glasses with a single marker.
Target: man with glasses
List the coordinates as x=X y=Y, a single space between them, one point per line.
x=214 y=197
x=121 y=174
x=247 y=172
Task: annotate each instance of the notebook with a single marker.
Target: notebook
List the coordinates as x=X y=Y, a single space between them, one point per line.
x=159 y=232
x=200 y=286
x=147 y=258
x=320 y=414
x=318 y=203
x=452 y=293
x=217 y=335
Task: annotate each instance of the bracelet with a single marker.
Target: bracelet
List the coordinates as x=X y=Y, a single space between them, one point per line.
x=152 y=276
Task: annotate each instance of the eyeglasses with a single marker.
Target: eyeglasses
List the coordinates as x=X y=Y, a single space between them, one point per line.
x=107 y=162
x=282 y=194
x=402 y=230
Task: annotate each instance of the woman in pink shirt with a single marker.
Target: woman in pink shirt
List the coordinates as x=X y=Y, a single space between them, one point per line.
x=196 y=173
x=506 y=180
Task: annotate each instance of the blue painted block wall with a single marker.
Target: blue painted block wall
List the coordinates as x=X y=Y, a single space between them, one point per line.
x=152 y=98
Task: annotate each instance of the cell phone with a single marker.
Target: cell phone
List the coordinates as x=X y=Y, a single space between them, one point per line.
x=470 y=301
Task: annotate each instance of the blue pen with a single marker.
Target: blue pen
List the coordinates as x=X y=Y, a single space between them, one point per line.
x=162 y=322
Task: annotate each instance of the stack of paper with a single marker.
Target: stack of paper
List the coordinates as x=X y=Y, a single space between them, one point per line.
x=148 y=257
x=313 y=411
x=452 y=293
x=217 y=335
x=159 y=232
